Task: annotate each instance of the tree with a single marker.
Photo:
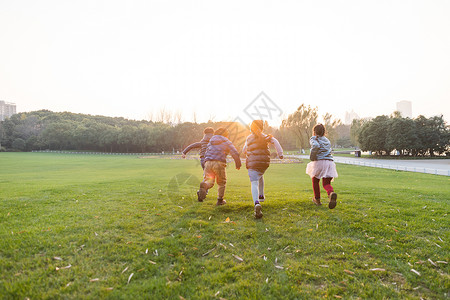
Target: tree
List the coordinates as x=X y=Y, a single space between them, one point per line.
x=401 y=135
x=18 y=144
x=330 y=126
x=372 y=136
x=355 y=130
x=125 y=137
x=301 y=123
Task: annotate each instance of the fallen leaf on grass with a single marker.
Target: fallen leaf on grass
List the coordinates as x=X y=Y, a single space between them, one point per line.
x=57 y=258
x=152 y=262
x=337 y=296
x=238 y=258
x=129 y=278
x=181 y=297
x=279 y=267
x=217 y=294
x=208 y=252
x=231 y=245
x=198 y=236
x=419 y=262
x=67 y=267
x=414 y=271
x=441 y=262
x=432 y=262
x=8 y=214
x=324 y=266
x=94 y=280
x=109 y=289
x=378 y=269
x=349 y=272
x=227 y=220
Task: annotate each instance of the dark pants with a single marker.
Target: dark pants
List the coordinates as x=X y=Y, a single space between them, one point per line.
x=326 y=182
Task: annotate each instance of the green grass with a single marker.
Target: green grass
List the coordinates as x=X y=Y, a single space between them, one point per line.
x=100 y=214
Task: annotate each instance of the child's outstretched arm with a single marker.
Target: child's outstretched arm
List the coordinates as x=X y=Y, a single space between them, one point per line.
x=235 y=154
x=190 y=147
x=277 y=145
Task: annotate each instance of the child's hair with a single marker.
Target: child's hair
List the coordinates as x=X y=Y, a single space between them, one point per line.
x=221 y=131
x=208 y=130
x=257 y=127
x=319 y=130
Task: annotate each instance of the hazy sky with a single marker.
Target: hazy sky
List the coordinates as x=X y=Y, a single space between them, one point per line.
x=132 y=58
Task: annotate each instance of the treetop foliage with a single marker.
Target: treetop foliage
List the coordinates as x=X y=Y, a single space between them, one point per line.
x=411 y=137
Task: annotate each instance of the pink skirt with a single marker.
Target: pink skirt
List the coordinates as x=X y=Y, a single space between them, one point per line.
x=321 y=169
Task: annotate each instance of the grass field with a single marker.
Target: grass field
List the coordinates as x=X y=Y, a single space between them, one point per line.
x=87 y=226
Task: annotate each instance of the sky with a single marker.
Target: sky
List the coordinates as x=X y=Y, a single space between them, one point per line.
x=211 y=59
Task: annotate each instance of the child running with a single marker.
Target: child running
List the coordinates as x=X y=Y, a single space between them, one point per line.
x=321 y=166
x=258 y=160
x=202 y=145
x=215 y=164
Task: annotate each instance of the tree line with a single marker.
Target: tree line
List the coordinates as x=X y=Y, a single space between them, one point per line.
x=47 y=130
x=420 y=136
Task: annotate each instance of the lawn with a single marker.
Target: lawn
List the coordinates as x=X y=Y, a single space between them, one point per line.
x=100 y=226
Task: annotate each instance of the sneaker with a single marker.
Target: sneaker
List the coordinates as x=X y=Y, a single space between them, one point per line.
x=316 y=201
x=261 y=198
x=221 y=201
x=333 y=197
x=258 y=212
x=202 y=192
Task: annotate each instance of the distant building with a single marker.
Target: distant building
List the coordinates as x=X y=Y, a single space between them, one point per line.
x=6 y=110
x=405 y=108
x=350 y=116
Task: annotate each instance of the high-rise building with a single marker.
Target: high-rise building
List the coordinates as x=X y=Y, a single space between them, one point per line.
x=350 y=116
x=6 y=110
x=405 y=108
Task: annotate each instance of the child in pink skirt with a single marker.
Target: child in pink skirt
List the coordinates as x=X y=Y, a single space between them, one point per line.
x=321 y=166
